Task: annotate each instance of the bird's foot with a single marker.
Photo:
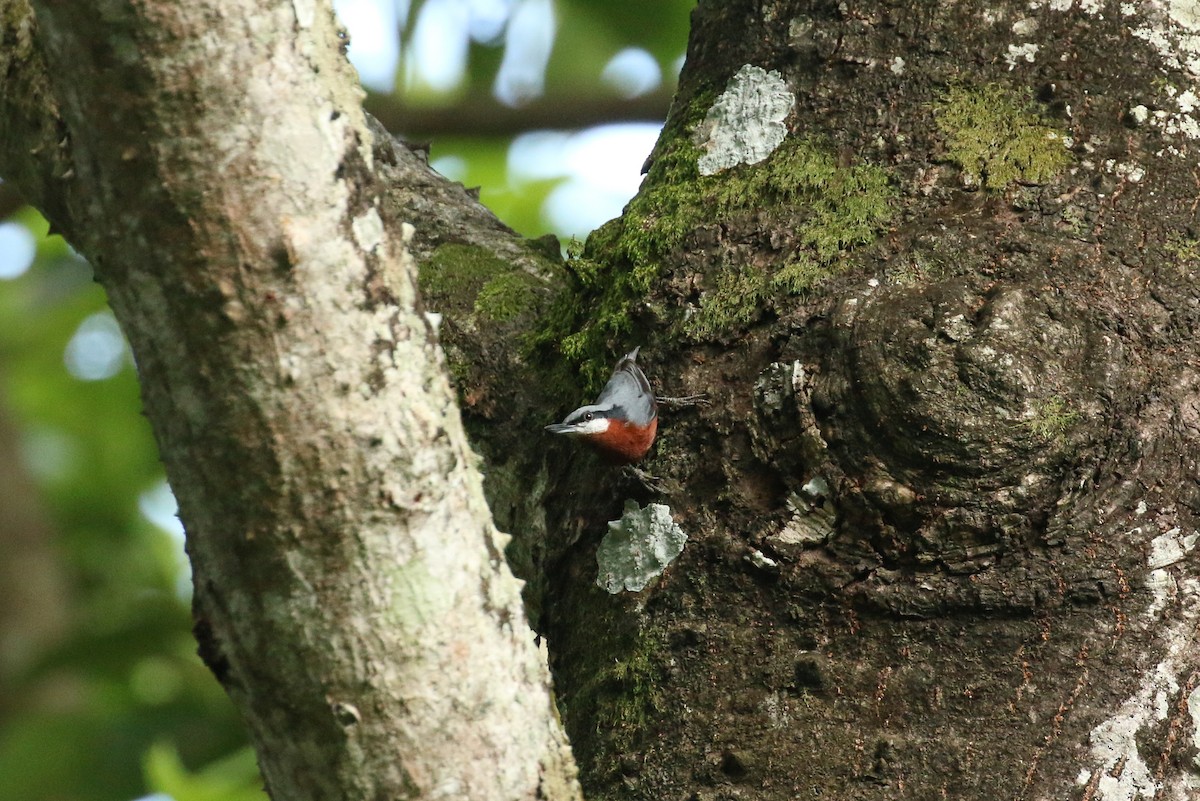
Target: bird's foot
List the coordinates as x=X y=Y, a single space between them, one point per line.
x=687 y=400
x=652 y=484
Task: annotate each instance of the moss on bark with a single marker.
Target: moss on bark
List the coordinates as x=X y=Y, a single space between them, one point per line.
x=996 y=137
x=833 y=208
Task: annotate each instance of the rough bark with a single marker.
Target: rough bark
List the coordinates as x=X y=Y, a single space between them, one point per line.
x=213 y=163
x=942 y=509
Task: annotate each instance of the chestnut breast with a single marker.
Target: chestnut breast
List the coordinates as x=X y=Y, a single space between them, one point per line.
x=623 y=442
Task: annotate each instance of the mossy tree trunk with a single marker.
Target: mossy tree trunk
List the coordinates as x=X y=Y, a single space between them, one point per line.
x=934 y=263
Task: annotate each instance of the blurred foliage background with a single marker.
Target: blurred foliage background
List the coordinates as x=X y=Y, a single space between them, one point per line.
x=550 y=106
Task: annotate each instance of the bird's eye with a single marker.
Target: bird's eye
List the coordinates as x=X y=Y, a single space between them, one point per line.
x=588 y=416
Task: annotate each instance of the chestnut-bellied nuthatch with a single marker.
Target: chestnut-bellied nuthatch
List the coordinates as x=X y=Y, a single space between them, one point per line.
x=621 y=424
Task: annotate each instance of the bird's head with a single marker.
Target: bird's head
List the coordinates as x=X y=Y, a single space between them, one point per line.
x=586 y=421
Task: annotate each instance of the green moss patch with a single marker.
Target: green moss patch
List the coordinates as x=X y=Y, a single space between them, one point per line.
x=505 y=297
x=456 y=273
x=624 y=696
x=467 y=281
x=616 y=695
x=735 y=299
x=473 y=288
x=995 y=137
x=831 y=208
x=845 y=207
x=1052 y=419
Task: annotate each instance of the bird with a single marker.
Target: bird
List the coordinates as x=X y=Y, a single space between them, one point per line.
x=621 y=424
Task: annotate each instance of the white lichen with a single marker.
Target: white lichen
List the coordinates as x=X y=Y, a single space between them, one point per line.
x=1168 y=548
x=1193 y=706
x=1172 y=28
x=763 y=562
x=1118 y=771
x=1053 y=5
x=1129 y=171
x=1025 y=52
x=1163 y=590
x=638 y=547
x=1025 y=26
x=1186 y=101
x=368 y=230
x=745 y=124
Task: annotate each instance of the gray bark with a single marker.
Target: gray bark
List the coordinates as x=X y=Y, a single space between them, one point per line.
x=213 y=163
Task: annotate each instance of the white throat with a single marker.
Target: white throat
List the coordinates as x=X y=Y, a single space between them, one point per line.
x=597 y=425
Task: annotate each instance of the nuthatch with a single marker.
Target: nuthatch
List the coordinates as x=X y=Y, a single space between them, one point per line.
x=621 y=424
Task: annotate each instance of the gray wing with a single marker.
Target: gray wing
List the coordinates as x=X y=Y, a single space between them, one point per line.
x=629 y=389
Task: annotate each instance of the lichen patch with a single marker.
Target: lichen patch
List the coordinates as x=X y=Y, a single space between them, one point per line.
x=1026 y=52
x=368 y=230
x=1119 y=771
x=638 y=547
x=745 y=124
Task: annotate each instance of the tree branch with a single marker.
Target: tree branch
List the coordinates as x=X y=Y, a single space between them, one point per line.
x=483 y=116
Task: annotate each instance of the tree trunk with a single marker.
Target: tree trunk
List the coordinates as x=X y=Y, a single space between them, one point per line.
x=934 y=263
x=213 y=163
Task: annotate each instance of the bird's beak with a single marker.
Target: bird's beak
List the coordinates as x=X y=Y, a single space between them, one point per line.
x=560 y=428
